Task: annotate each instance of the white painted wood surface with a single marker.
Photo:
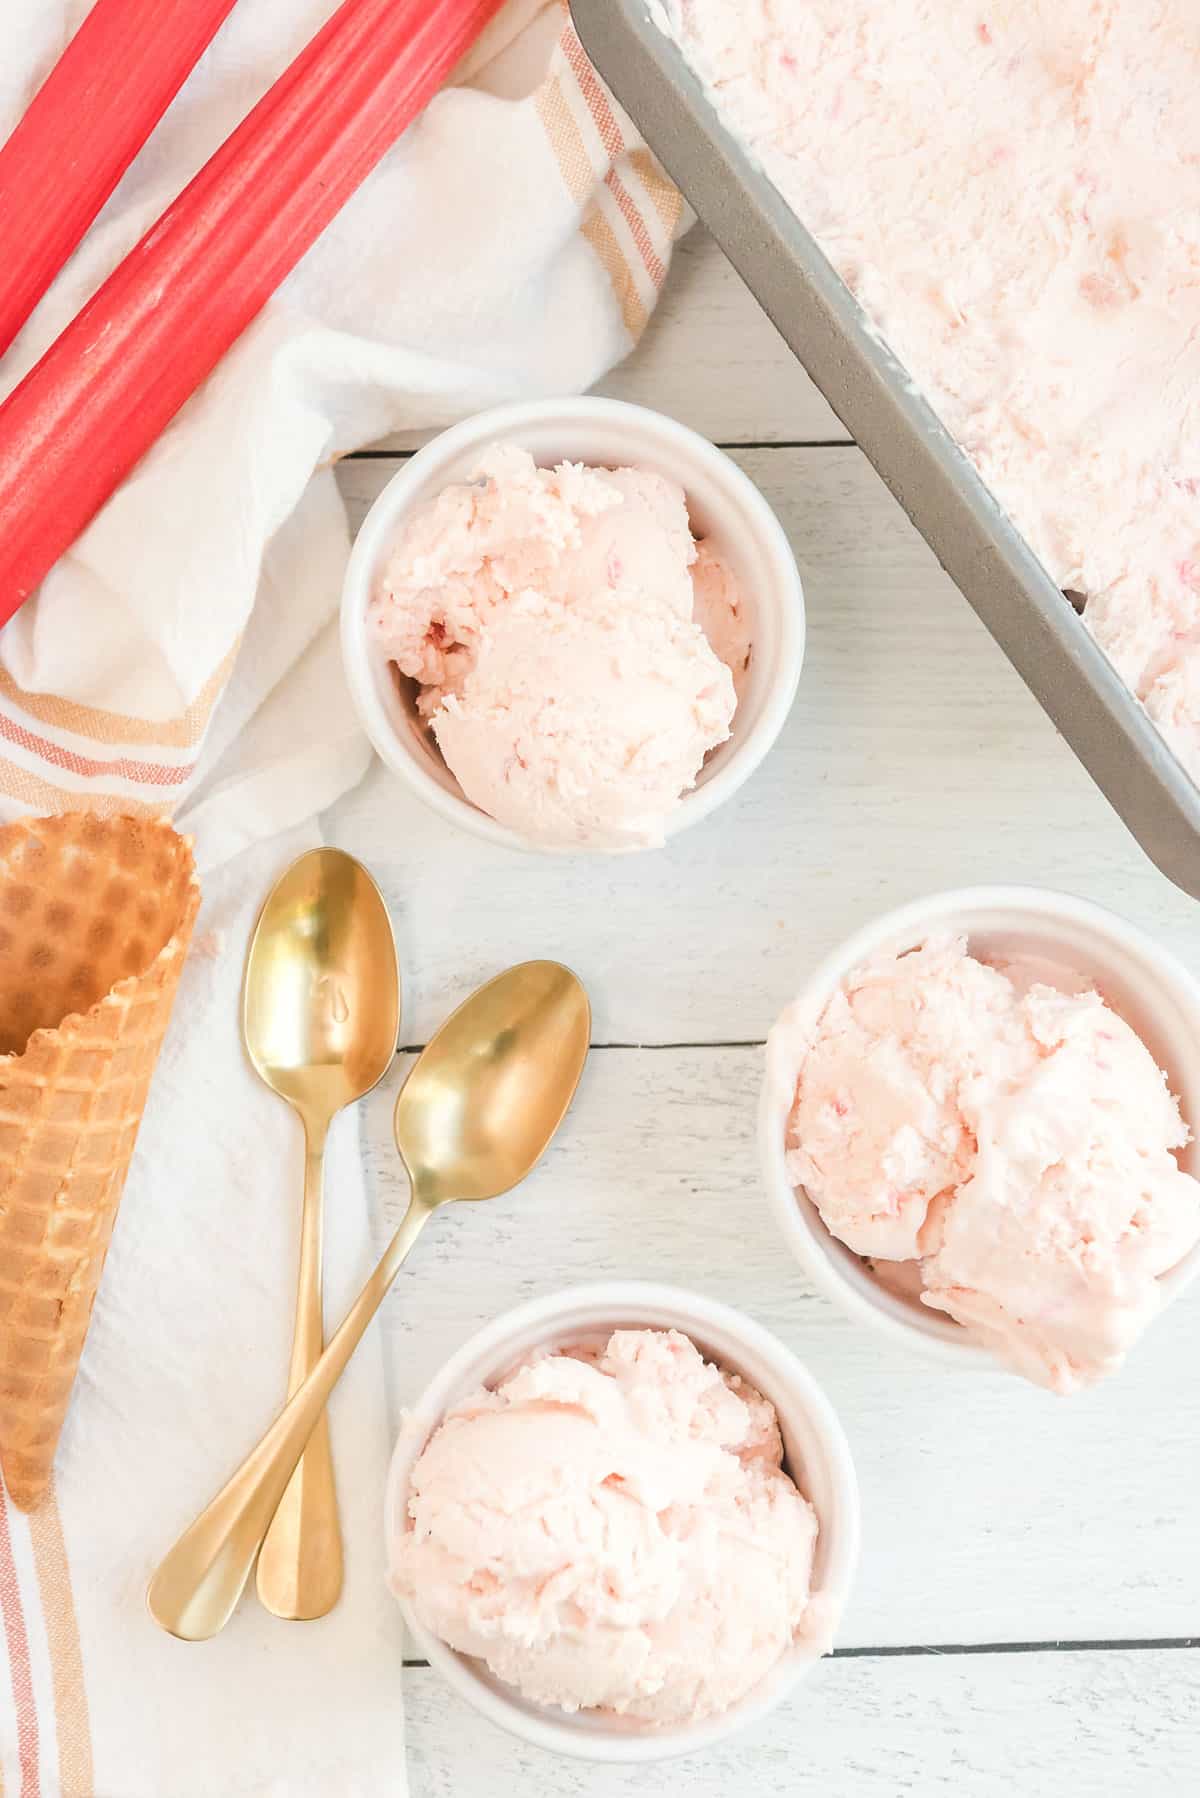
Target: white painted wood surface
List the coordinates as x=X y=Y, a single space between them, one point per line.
x=1091 y=1725
x=993 y=1514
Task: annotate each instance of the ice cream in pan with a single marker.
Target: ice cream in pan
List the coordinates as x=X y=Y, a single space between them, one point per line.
x=1012 y=191
x=1003 y=1145
x=611 y=1529
x=577 y=654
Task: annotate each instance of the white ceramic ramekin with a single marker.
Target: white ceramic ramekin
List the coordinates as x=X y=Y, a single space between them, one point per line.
x=723 y=503
x=816 y=1452
x=1150 y=989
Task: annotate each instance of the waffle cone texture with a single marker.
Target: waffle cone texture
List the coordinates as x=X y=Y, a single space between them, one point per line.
x=96 y=915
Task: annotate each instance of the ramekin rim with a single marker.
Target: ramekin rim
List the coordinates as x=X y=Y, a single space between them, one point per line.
x=509 y=418
x=544 y=1313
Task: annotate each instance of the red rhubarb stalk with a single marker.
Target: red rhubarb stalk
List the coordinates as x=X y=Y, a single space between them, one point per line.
x=85 y=125
x=108 y=386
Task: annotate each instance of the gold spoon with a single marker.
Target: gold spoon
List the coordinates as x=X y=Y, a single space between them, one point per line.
x=320 y=1020
x=473 y=1118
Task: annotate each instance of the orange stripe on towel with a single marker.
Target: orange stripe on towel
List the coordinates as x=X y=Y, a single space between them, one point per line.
x=148 y=774
x=599 y=233
x=664 y=195
x=574 y=163
x=75 y=1772
x=38 y=795
x=575 y=166
x=180 y=732
x=655 y=266
x=595 y=98
x=20 y=1665
x=613 y=139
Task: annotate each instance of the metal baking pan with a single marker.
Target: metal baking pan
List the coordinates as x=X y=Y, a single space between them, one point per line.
x=871 y=393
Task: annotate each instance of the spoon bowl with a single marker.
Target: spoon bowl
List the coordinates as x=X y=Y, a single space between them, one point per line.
x=321 y=999
x=491 y=1088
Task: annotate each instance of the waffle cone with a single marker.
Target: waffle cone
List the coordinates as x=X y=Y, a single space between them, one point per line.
x=95 y=919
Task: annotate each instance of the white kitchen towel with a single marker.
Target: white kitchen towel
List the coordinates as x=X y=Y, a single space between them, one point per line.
x=512 y=244
x=183 y=658
x=185 y=1363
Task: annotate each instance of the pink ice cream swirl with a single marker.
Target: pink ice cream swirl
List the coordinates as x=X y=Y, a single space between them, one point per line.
x=612 y=1530
x=1014 y=1143
x=577 y=659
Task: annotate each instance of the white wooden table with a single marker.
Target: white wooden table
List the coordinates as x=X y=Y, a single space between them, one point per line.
x=1026 y=1620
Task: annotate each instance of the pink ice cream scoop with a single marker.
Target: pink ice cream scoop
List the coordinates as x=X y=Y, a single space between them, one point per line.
x=721 y=612
x=570 y=666
x=1014 y=1143
x=612 y=1529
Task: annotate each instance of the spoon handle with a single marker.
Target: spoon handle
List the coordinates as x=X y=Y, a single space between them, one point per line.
x=197 y=1586
x=300 y=1564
